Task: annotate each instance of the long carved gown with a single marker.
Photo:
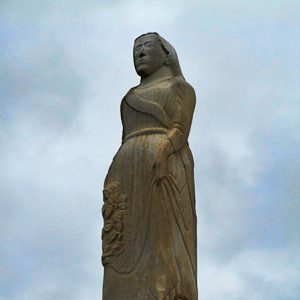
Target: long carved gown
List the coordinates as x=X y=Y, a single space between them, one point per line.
x=149 y=234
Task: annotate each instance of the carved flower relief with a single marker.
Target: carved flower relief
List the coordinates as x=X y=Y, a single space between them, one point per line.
x=113 y=212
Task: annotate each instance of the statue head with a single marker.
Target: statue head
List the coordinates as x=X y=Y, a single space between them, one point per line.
x=151 y=52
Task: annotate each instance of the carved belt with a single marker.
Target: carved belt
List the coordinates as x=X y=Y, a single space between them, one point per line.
x=145 y=131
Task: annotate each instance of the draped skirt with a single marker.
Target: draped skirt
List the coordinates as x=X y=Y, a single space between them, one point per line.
x=149 y=233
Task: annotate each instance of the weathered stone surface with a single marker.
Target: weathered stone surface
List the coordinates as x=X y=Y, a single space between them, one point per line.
x=149 y=234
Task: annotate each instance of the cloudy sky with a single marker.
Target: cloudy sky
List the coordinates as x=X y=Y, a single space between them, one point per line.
x=64 y=67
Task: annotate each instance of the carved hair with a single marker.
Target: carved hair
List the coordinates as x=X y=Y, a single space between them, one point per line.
x=173 y=61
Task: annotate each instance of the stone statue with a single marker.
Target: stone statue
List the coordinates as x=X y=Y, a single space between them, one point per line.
x=149 y=234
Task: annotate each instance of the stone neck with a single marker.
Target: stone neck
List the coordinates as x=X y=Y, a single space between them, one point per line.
x=161 y=74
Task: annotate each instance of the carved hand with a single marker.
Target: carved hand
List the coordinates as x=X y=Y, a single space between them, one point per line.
x=161 y=162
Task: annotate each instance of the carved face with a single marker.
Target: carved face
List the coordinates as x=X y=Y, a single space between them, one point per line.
x=148 y=54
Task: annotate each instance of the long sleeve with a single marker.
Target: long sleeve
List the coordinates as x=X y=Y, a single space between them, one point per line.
x=184 y=102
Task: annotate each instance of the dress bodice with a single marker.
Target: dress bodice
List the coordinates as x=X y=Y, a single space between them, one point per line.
x=141 y=105
x=167 y=104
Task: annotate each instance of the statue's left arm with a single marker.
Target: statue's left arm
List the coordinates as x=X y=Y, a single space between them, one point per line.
x=184 y=101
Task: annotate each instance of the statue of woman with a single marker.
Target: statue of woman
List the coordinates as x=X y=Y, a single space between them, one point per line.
x=149 y=234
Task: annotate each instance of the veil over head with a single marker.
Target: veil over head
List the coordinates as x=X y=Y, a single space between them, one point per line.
x=173 y=61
